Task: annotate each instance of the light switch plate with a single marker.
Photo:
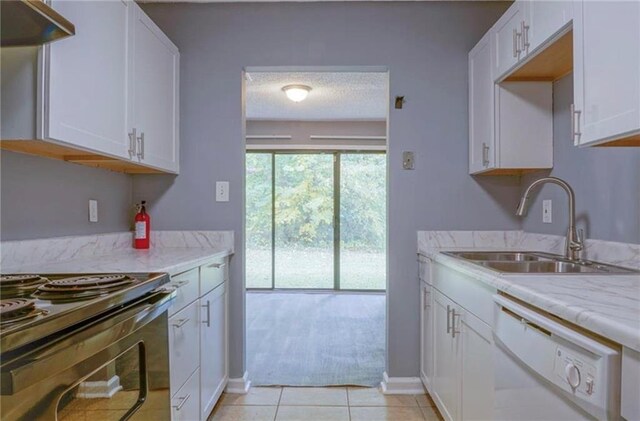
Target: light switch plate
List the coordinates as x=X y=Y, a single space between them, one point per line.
x=546 y=211
x=222 y=191
x=93 y=210
x=407 y=160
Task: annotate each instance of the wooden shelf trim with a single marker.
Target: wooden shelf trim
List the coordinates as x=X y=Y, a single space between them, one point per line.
x=551 y=63
x=76 y=156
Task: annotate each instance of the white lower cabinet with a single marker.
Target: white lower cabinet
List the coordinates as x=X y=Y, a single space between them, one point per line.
x=198 y=340
x=426 y=335
x=213 y=348
x=184 y=332
x=445 y=390
x=457 y=352
x=185 y=404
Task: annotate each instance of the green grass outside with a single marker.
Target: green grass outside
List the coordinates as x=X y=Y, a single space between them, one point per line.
x=313 y=268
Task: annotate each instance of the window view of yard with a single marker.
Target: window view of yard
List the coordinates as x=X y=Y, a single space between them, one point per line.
x=303 y=198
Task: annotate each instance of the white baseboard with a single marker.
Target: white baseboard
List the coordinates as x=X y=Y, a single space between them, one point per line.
x=99 y=389
x=239 y=385
x=401 y=385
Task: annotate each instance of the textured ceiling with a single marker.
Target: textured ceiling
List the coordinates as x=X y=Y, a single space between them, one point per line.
x=333 y=96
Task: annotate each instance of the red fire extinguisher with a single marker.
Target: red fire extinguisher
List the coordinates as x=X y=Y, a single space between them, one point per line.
x=142 y=227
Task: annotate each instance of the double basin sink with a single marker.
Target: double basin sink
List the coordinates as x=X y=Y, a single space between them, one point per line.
x=536 y=262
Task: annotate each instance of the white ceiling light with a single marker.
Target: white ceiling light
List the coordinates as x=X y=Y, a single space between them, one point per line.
x=296 y=93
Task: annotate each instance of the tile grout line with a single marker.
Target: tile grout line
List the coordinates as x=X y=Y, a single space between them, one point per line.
x=348 y=404
x=278 y=405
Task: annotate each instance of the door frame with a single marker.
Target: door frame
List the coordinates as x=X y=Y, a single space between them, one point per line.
x=337 y=154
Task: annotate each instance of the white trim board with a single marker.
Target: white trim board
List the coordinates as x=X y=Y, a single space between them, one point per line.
x=291 y=147
x=240 y=385
x=401 y=385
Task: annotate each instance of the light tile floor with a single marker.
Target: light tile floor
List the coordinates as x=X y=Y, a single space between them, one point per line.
x=323 y=404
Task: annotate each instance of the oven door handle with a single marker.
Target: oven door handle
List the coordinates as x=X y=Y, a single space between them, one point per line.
x=75 y=347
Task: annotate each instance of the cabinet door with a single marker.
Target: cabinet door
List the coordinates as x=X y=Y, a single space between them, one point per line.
x=155 y=94
x=184 y=333
x=446 y=391
x=507 y=39
x=185 y=403
x=606 y=71
x=86 y=78
x=544 y=20
x=476 y=366
x=426 y=332
x=213 y=348
x=481 y=107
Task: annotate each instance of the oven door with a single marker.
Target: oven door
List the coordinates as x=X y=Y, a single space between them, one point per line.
x=115 y=367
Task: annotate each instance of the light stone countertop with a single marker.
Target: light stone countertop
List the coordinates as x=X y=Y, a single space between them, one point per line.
x=608 y=305
x=171 y=251
x=170 y=260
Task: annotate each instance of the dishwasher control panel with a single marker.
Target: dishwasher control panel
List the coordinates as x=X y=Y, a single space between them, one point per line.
x=576 y=371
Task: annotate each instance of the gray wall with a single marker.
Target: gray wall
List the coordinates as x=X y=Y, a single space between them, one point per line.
x=606 y=182
x=47 y=198
x=424 y=45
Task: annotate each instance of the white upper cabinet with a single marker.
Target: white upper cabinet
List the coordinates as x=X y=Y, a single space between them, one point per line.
x=105 y=97
x=481 y=107
x=524 y=28
x=156 y=62
x=508 y=38
x=543 y=21
x=606 y=72
x=510 y=124
x=87 y=78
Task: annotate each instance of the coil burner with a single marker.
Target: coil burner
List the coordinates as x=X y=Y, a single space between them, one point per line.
x=82 y=287
x=16 y=286
x=15 y=310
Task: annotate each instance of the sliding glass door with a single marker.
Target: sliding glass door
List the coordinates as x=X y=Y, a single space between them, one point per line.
x=316 y=220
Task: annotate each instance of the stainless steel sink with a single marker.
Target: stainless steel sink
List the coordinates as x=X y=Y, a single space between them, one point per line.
x=540 y=267
x=536 y=262
x=498 y=256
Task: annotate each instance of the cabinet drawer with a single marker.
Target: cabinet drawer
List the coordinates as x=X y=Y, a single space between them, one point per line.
x=188 y=288
x=184 y=344
x=185 y=403
x=424 y=269
x=212 y=274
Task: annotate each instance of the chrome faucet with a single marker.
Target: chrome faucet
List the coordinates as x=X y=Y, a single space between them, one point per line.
x=574 y=242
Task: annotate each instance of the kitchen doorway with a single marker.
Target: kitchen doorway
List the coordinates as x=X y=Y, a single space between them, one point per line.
x=315 y=226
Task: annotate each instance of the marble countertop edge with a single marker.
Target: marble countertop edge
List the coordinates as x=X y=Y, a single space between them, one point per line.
x=172 y=260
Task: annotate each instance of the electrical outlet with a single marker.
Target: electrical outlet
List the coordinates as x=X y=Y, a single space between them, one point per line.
x=546 y=211
x=93 y=210
x=222 y=191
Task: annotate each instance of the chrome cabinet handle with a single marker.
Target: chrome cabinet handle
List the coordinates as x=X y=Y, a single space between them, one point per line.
x=525 y=36
x=183 y=400
x=141 y=143
x=208 y=307
x=216 y=265
x=448 y=322
x=516 y=43
x=485 y=155
x=575 y=123
x=132 y=143
x=453 y=323
x=180 y=323
x=425 y=296
x=179 y=284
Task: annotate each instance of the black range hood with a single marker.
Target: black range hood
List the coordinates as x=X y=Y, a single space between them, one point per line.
x=31 y=22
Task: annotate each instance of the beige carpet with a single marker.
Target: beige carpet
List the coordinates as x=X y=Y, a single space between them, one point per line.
x=315 y=339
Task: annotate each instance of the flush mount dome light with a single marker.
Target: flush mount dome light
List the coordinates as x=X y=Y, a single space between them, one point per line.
x=296 y=93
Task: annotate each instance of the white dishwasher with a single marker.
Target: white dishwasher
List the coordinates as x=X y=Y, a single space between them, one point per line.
x=545 y=370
